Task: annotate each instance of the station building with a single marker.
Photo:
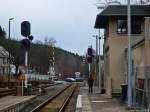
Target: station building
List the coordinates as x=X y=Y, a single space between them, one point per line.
x=113 y=19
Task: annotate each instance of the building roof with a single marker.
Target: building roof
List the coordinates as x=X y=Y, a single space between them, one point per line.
x=120 y=11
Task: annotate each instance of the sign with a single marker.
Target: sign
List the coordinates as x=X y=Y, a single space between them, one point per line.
x=22 y=77
x=77 y=74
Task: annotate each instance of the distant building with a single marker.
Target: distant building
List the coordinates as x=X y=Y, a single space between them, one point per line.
x=113 y=19
x=4 y=61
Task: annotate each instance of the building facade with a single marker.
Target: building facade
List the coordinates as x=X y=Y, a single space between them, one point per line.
x=113 y=19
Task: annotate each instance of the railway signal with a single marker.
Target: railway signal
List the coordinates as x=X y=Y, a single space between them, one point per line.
x=25 y=44
x=25 y=31
x=25 y=28
x=89 y=51
x=89 y=55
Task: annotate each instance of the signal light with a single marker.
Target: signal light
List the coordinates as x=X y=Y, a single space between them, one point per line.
x=25 y=44
x=89 y=52
x=89 y=55
x=30 y=37
x=25 y=28
x=89 y=59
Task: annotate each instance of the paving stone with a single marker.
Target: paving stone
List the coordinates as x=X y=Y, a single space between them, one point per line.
x=100 y=103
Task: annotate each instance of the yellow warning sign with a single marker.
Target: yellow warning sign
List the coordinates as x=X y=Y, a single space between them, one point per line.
x=21 y=77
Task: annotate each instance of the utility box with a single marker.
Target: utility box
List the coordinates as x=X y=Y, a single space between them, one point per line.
x=124 y=91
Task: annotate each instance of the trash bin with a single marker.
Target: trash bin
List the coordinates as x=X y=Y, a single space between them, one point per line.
x=25 y=91
x=124 y=91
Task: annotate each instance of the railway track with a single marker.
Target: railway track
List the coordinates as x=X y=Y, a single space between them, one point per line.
x=13 y=91
x=36 y=89
x=58 y=102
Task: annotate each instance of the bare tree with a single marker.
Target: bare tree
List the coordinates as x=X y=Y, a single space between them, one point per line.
x=39 y=42
x=141 y=2
x=49 y=41
x=101 y=4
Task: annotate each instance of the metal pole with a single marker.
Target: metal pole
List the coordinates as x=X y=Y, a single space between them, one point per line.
x=9 y=52
x=99 y=64
x=96 y=81
x=26 y=68
x=96 y=72
x=53 y=64
x=9 y=55
x=22 y=87
x=129 y=55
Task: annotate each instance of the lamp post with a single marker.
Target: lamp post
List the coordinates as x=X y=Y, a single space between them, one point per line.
x=96 y=66
x=9 y=50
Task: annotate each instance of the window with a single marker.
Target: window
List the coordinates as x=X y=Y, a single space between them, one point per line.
x=4 y=62
x=135 y=26
x=122 y=26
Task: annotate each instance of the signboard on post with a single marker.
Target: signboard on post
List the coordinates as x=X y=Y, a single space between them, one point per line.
x=77 y=74
x=21 y=76
x=25 y=43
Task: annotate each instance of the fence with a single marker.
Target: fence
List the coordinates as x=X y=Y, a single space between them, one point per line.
x=141 y=88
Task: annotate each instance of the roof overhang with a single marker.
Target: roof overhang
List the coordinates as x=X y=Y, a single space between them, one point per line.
x=120 y=11
x=101 y=21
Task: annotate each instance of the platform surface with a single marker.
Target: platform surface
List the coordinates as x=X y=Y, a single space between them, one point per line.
x=97 y=102
x=4 y=89
x=8 y=101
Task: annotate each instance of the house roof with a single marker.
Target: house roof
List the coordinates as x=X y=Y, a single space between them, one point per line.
x=3 y=52
x=120 y=11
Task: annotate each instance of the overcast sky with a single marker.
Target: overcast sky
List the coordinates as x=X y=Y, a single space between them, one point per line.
x=70 y=22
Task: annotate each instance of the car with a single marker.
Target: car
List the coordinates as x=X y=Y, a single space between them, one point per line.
x=79 y=79
x=70 y=80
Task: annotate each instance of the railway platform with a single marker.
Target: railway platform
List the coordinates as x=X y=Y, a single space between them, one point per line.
x=2 y=89
x=97 y=102
x=15 y=103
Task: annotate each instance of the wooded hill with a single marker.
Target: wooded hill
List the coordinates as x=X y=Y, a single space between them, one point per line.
x=66 y=63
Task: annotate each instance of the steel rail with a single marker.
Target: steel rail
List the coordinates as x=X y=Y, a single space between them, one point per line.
x=39 y=107
x=67 y=100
